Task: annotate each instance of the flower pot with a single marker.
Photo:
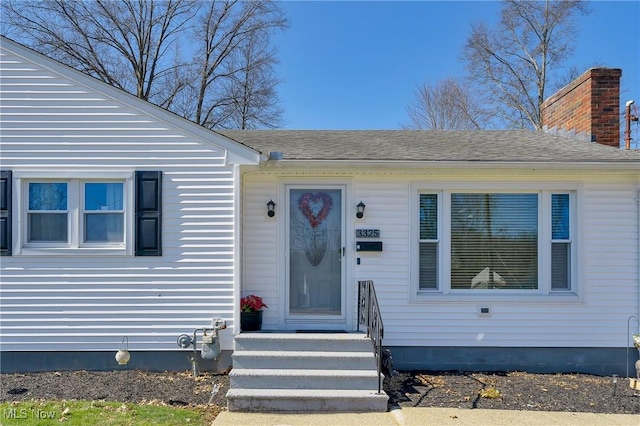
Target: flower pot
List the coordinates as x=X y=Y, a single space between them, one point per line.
x=251 y=321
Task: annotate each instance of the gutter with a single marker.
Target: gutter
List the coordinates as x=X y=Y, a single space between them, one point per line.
x=432 y=164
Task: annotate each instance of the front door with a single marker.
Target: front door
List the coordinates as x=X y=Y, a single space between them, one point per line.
x=315 y=284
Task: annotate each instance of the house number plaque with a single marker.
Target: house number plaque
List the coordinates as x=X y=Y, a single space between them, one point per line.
x=367 y=233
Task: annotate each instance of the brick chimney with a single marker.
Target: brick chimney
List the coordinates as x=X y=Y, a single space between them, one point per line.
x=587 y=108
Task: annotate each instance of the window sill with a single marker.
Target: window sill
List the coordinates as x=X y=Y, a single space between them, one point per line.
x=494 y=297
x=66 y=251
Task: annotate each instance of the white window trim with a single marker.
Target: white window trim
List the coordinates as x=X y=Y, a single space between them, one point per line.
x=572 y=240
x=415 y=230
x=543 y=294
x=74 y=246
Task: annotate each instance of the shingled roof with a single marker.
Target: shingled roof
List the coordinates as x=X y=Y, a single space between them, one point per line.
x=428 y=145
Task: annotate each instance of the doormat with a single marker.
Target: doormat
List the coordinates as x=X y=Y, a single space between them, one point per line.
x=321 y=331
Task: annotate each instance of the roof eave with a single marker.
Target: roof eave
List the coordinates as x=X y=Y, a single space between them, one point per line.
x=475 y=164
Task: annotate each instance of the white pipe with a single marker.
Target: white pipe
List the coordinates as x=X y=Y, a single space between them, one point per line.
x=636 y=317
x=638 y=210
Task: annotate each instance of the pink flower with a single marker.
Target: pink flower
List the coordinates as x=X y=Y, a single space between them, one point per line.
x=251 y=303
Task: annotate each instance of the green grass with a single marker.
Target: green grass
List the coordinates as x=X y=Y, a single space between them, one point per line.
x=100 y=413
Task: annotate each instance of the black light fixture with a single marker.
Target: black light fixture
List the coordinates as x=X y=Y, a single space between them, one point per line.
x=271 y=208
x=360 y=210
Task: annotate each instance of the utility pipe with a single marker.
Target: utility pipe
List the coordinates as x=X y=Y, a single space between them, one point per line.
x=637 y=318
x=638 y=271
x=628 y=118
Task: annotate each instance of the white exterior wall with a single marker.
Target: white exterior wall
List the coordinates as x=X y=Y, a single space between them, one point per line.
x=52 y=124
x=260 y=272
x=608 y=255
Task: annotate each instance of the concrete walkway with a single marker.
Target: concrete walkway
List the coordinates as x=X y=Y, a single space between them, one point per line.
x=428 y=416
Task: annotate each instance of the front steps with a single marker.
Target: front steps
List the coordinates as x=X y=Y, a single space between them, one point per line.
x=297 y=372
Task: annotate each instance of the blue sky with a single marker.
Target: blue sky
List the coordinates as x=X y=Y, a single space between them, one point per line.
x=355 y=65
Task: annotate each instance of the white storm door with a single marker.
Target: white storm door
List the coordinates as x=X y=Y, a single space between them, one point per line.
x=315 y=263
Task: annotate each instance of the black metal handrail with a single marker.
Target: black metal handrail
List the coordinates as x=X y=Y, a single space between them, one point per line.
x=369 y=316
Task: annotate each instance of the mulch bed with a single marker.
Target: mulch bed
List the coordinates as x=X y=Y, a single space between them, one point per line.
x=162 y=388
x=513 y=391
x=507 y=391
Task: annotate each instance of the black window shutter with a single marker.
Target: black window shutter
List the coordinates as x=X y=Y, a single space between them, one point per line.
x=148 y=233
x=6 y=242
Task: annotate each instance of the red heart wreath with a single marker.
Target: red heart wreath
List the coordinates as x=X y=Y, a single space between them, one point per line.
x=305 y=207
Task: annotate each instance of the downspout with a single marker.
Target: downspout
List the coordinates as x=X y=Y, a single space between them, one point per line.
x=637 y=316
x=638 y=216
x=237 y=252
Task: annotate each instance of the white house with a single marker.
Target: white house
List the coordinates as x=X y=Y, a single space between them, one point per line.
x=555 y=220
x=119 y=219
x=489 y=250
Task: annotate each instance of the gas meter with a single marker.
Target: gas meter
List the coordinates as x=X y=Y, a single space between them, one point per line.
x=210 y=348
x=210 y=345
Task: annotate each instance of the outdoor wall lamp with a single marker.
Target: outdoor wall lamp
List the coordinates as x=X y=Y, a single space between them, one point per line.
x=271 y=208
x=360 y=210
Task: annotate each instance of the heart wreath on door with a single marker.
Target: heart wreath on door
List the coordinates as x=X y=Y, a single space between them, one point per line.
x=315 y=208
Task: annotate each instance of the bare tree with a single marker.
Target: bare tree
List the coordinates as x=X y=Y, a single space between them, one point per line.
x=225 y=32
x=253 y=90
x=447 y=105
x=179 y=54
x=125 y=43
x=514 y=63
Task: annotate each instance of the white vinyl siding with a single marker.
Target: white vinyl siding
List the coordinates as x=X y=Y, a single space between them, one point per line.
x=604 y=279
x=605 y=274
x=261 y=274
x=53 y=126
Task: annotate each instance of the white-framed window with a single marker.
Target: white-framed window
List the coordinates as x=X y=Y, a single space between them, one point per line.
x=78 y=214
x=561 y=244
x=103 y=212
x=493 y=242
x=47 y=212
x=429 y=241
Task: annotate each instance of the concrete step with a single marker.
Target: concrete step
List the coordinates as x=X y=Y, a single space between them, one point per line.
x=291 y=372
x=306 y=400
x=304 y=360
x=320 y=342
x=303 y=379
